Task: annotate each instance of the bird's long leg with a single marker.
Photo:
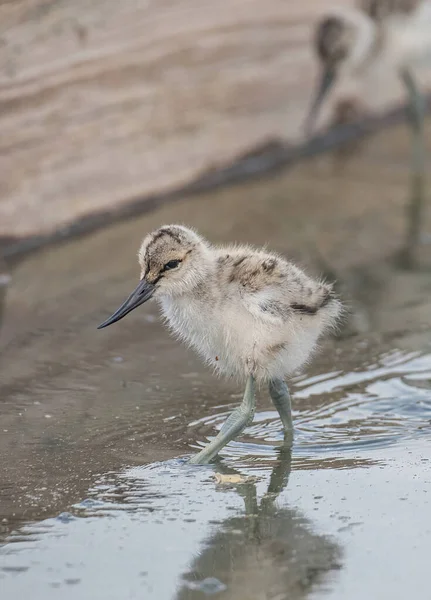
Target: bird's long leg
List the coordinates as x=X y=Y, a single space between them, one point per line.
x=415 y=207
x=235 y=423
x=280 y=396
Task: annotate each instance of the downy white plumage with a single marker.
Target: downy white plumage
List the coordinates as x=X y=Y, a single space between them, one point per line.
x=248 y=313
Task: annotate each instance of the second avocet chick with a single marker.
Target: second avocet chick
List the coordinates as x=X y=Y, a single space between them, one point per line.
x=247 y=313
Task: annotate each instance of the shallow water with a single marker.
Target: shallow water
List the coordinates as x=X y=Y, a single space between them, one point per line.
x=96 y=498
x=342 y=413
x=294 y=525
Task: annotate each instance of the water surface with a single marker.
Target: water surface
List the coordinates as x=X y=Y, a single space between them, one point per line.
x=96 y=498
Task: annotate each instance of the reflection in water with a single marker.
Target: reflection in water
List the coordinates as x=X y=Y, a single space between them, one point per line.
x=150 y=522
x=265 y=552
x=364 y=285
x=168 y=530
x=4 y=282
x=408 y=256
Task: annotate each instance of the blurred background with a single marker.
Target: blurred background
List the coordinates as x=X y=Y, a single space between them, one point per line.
x=103 y=103
x=118 y=117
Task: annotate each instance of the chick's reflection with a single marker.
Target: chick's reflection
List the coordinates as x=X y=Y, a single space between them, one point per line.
x=267 y=552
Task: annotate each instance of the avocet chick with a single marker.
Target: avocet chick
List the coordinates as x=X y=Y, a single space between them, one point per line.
x=390 y=34
x=246 y=312
x=354 y=39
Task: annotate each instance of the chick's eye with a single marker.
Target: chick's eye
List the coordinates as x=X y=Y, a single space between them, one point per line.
x=172 y=264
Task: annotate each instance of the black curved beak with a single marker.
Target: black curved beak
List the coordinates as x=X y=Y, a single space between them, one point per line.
x=327 y=80
x=141 y=294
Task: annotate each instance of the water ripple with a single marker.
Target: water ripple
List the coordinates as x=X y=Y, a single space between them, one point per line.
x=338 y=414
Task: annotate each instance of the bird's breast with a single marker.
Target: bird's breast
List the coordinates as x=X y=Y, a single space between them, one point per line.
x=192 y=321
x=218 y=336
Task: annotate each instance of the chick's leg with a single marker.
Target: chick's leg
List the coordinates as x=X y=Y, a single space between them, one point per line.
x=280 y=396
x=233 y=426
